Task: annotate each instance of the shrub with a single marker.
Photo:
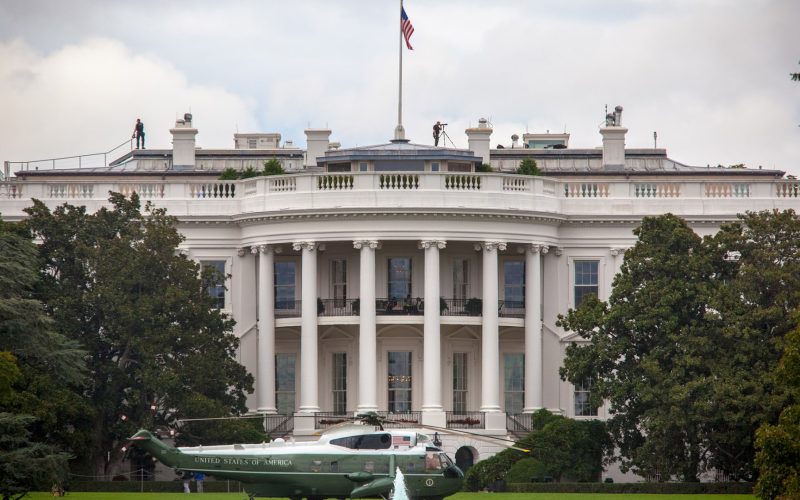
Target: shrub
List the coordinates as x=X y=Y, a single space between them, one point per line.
x=484 y=167
x=273 y=167
x=248 y=173
x=528 y=167
x=229 y=174
x=527 y=470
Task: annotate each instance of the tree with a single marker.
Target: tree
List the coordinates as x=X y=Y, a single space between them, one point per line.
x=795 y=77
x=26 y=465
x=273 y=167
x=115 y=282
x=778 y=457
x=528 y=167
x=37 y=368
x=685 y=349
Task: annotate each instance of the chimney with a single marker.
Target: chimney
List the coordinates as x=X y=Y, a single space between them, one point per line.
x=317 y=140
x=183 y=142
x=478 y=140
x=614 y=140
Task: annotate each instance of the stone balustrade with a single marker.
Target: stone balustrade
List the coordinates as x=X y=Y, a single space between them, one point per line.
x=475 y=192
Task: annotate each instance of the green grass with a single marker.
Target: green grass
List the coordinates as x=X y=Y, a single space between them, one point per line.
x=458 y=496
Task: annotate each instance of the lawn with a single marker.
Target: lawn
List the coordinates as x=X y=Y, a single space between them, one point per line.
x=458 y=496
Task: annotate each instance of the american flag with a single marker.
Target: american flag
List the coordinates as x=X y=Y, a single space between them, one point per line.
x=406 y=27
x=401 y=440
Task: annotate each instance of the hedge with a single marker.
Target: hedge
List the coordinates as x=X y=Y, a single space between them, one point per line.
x=134 y=486
x=652 y=488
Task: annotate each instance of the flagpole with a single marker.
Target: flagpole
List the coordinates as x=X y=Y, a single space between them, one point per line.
x=399 y=131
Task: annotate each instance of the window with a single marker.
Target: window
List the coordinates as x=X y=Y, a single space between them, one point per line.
x=434 y=166
x=514 y=381
x=285 y=272
x=585 y=279
x=363 y=167
x=340 y=382
x=399 y=279
x=284 y=382
x=339 y=282
x=251 y=143
x=339 y=167
x=583 y=407
x=399 y=381
x=514 y=284
x=214 y=272
x=461 y=279
x=459 y=382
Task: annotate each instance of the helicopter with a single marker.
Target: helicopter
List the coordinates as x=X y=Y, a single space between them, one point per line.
x=353 y=460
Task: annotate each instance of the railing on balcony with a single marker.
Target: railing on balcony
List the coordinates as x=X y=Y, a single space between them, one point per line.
x=277 y=426
x=465 y=420
x=462 y=307
x=519 y=424
x=511 y=309
x=407 y=420
x=410 y=306
x=325 y=419
x=336 y=307
x=287 y=308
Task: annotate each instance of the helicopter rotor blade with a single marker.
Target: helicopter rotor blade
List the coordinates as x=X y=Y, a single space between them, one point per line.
x=479 y=437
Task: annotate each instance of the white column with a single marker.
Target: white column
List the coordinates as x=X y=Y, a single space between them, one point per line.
x=308 y=329
x=265 y=373
x=490 y=338
x=619 y=255
x=432 y=358
x=367 y=343
x=533 y=327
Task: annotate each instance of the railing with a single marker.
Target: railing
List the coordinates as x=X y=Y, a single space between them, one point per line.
x=511 y=309
x=10 y=190
x=519 y=424
x=407 y=420
x=727 y=190
x=80 y=161
x=462 y=182
x=516 y=184
x=282 y=184
x=333 y=182
x=463 y=307
x=219 y=189
x=288 y=308
x=145 y=191
x=787 y=189
x=586 y=190
x=336 y=307
x=71 y=191
x=398 y=181
x=325 y=419
x=657 y=190
x=413 y=306
x=277 y=426
x=465 y=420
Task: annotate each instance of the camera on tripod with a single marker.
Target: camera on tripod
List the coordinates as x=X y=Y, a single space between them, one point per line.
x=438 y=131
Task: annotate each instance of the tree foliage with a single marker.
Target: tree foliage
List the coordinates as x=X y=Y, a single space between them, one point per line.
x=685 y=348
x=37 y=366
x=561 y=448
x=528 y=167
x=778 y=457
x=115 y=282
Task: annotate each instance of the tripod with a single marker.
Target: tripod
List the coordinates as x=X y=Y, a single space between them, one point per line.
x=446 y=138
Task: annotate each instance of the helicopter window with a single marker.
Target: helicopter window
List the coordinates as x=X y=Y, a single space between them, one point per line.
x=364 y=442
x=334 y=466
x=410 y=467
x=369 y=466
x=432 y=461
x=316 y=466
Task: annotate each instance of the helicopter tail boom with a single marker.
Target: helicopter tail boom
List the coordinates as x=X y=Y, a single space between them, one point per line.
x=151 y=444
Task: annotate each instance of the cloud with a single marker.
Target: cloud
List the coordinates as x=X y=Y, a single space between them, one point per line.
x=84 y=98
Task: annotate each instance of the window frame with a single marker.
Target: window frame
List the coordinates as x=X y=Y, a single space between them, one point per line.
x=573 y=275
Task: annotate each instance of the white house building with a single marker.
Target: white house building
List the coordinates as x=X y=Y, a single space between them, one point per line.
x=398 y=278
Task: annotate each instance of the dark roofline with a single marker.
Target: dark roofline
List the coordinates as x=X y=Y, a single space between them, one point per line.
x=210 y=153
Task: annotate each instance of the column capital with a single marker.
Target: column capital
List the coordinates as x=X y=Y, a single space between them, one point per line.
x=304 y=245
x=241 y=251
x=538 y=248
x=425 y=244
x=490 y=246
x=558 y=251
x=359 y=244
x=618 y=251
x=264 y=248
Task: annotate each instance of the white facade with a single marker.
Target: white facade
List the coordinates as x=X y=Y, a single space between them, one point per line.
x=418 y=287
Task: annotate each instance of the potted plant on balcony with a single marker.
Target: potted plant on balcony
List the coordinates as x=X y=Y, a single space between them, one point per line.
x=442 y=305
x=356 y=305
x=320 y=306
x=474 y=306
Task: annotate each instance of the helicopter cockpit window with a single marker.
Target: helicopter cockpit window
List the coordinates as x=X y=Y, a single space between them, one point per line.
x=365 y=442
x=432 y=461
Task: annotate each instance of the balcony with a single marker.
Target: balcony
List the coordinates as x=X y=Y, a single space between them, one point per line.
x=471 y=192
x=465 y=420
x=399 y=307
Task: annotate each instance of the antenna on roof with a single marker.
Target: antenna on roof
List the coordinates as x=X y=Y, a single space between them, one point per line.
x=655 y=139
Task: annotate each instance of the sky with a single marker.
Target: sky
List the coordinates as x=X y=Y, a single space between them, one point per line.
x=710 y=77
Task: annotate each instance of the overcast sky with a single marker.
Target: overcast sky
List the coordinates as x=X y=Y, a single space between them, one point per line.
x=711 y=77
